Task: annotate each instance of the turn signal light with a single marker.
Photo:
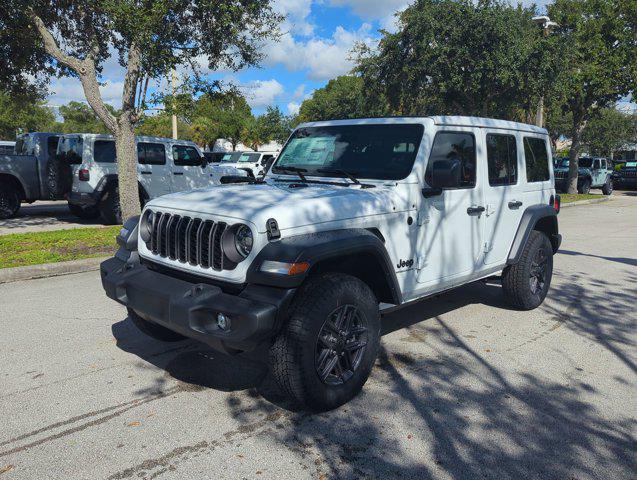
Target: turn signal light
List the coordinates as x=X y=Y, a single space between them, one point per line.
x=84 y=175
x=282 y=268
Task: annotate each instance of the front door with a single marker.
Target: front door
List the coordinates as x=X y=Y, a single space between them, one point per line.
x=504 y=197
x=189 y=171
x=451 y=223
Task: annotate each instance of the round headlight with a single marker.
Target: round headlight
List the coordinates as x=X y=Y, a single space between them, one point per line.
x=243 y=240
x=146 y=225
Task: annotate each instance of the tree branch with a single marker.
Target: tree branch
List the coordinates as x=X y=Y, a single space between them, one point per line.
x=51 y=47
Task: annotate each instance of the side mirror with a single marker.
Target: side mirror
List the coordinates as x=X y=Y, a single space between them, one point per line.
x=444 y=174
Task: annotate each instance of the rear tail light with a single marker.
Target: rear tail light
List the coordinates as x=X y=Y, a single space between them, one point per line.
x=84 y=175
x=556 y=203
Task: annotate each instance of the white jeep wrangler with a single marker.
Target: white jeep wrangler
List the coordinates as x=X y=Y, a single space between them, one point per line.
x=355 y=217
x=164 y=166
x=256 y=164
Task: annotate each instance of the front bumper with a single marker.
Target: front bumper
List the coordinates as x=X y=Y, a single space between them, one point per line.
x=191 y=308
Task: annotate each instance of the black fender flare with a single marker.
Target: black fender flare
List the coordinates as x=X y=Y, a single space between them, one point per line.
x=314 y=248
x=532 y=216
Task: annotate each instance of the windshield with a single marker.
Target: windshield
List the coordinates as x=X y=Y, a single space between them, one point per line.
x=585 y=162
x=249 y=157
x=383 y=151
x=562 y=162
x=231 y=157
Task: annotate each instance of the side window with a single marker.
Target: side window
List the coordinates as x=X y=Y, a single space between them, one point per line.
x=104 y=151
x=186 y=156
x=537 y=159
x=502 y=158
x=596 y=165
x=151 y=153
x=457 y=153
x=52 y=145
x=71 y=149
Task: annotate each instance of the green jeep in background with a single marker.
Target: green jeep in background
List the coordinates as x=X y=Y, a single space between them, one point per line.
x=592 y=173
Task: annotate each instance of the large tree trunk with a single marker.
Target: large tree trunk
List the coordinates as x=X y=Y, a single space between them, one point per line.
x=576 y=138
x=127 y=167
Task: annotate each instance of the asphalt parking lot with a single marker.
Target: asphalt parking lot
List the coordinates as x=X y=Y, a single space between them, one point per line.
x=45 y=215
x=465 y=387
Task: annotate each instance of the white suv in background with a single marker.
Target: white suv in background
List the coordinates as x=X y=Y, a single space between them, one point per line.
x=164 y=166
x=256 y=164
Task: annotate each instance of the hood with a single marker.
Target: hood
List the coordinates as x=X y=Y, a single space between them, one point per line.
x=290 y=205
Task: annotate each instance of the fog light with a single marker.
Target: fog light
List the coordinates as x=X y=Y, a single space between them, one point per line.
x=223 y=322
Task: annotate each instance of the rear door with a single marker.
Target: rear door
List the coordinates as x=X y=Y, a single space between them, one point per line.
x=154 y=171
x=188 y=170
x=503 y=193
x=452 y=223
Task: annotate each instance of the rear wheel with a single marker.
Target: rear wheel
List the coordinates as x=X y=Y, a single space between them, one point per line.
x=9 y=200
x=585 y=187
x=85 y=213
x=608 y=187
x=109 y=207
x=526 y=283
x=153 y=330
x=325 y=353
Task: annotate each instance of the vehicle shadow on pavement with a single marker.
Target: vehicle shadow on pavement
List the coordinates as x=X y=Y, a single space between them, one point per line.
x=624 y=260
x=452 y=414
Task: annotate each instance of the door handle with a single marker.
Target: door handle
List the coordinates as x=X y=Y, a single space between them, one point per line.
x=515 y=204
x=178 y=173
x=146 y=173
x=475 y=210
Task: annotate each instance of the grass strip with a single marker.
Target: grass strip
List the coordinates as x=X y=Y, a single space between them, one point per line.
x=34 y=248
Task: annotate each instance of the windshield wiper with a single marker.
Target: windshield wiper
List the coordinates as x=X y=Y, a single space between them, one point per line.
x=299 y=171
x=338 y=171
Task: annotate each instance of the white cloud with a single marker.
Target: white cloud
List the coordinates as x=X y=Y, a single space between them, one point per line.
x=372 y=9
x=293 y=108
x=296 y=12
x=324 y=58
x=262 y=93
x=66 y=89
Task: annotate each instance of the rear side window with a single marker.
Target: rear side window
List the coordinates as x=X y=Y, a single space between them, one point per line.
x=502 y=158
x=455 y=146
x=186 y=156
x=104 y=151
x=151 y=153
x=52 y=145
x=537 y=159
x=249 y=157
x=70 y=149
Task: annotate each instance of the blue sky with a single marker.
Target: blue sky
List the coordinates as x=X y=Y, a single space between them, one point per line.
x=319 y=36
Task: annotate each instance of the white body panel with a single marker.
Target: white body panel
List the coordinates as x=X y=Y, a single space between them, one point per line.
x=156 y=179
x=448 y=246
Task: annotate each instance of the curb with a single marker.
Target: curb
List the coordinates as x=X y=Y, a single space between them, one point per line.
x=586 y=202
x=31 y=272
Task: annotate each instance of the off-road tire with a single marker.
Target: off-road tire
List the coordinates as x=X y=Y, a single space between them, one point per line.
x=9 y=200
x=608 y=187
x=85 y=213
x=516 y=279
x=109 y=207
x=293 y=354
x=154 y=330
x=585 y=187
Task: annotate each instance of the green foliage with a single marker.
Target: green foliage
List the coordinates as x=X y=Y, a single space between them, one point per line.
x=220 y=115
x=463 y=57
x=160 y=125
x=341 y=98
x=19 y=114
x=274 y=125
x=609 y=130
x=78 y=117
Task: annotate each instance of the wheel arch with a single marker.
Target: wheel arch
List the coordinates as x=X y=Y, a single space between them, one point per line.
x=14 y=182
x=541 y=218
x=107 y=181
x=355 y=252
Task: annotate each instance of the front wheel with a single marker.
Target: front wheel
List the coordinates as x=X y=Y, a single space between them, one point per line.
x=9 y=200
x=326 y=351
x=526 y=283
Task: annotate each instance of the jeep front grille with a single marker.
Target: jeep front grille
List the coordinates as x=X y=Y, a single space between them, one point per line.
x=189 y=240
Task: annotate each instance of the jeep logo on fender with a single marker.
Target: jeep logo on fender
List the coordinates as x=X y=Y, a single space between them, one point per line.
x=405 y=263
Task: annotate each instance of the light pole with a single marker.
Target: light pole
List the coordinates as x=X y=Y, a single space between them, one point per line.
x=173 y=82
x=547 y=26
